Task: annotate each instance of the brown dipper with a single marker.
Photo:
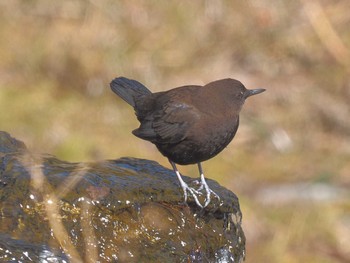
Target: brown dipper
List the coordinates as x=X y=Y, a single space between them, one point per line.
x=188 y=124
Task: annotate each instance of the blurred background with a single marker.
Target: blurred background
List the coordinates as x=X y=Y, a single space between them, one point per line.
x=289 y=163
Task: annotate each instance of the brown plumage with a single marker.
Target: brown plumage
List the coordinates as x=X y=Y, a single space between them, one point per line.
x=189 y=124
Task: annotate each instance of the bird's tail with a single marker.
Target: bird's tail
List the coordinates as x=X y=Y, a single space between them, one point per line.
x=128 y=89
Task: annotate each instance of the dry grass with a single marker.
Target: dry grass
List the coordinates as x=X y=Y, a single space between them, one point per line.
x=57 y=58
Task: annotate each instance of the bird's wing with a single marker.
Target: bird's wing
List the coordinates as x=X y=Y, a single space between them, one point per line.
x=168 y=124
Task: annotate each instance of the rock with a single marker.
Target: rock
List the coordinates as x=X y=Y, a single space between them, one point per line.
x=125 y=210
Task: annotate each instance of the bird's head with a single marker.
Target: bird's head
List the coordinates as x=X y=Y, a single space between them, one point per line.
x=233 y=90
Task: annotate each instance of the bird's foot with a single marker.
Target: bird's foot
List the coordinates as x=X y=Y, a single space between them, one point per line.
x=208 y=197
x=186 y=188
x=194 y=193
x=203 y=185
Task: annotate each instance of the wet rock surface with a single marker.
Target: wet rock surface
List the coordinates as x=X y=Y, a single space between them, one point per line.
x=124 y=210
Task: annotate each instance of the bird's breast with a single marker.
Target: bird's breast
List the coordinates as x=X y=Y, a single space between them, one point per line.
x=215 y=137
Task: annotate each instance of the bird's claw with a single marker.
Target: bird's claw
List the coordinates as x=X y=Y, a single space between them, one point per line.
x=197 y=192
x=194 y=193
x=209 y=192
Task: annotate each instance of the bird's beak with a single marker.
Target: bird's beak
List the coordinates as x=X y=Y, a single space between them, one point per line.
x=251 y=92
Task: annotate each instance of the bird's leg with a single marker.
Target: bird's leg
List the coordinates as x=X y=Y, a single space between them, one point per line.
x=185 y=186
x=206 y=186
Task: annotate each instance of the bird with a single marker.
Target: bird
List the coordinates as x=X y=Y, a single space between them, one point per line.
x=188 y=124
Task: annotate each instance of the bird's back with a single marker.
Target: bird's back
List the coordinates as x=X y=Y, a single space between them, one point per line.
x=165 y=117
